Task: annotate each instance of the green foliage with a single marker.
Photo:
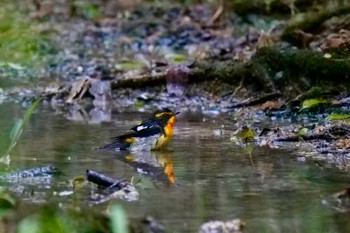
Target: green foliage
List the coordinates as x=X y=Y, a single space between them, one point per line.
x=48 y=220
x=313 y=102
x=128 y=65
x=87 y=9
x=20 y=41
x=7 y=201
x=29 y=225
x=176 y=57
x=51 y=219
x=339 y=116
x=119 y=221
x=246 y=134
x=302 y=131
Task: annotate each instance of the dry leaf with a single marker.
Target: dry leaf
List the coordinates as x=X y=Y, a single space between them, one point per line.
x=78 y=89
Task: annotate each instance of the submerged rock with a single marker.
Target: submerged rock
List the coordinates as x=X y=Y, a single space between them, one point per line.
x=339 y=201
x=46 y=171
x=232 y=226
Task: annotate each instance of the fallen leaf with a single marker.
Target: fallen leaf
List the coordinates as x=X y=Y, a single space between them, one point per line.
x=78 y=89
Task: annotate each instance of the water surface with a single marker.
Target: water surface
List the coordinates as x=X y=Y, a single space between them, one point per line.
x=213 y=178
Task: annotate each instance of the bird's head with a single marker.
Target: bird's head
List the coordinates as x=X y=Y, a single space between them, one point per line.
x=166 y=116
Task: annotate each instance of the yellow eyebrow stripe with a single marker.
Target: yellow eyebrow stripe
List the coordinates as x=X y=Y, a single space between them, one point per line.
x=160 y=114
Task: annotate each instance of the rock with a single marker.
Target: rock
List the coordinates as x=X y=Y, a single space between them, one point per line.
x=232 y=226
x=177 y=79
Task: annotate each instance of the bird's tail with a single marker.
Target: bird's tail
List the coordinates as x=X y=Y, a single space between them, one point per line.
x=115 y=146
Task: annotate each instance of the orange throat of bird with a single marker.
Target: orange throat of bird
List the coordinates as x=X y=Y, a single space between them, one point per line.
x=164 y=139
x=168 y=129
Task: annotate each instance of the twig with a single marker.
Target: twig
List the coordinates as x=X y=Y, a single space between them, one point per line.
x=105 y=181
x=139 y=81
x=297 y=138
x=217 y=14
x=256 y=101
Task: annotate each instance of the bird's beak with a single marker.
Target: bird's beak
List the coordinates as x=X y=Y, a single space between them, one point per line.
x=177 y=113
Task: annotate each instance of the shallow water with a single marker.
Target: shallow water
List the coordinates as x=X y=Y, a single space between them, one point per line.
x=213 y=178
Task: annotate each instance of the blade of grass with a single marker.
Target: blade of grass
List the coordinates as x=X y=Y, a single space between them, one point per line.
x=17 y=129
x=119 y=222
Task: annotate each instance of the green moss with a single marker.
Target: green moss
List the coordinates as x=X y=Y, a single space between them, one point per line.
x=340 y=52
x=303 y=68
x=286 y=70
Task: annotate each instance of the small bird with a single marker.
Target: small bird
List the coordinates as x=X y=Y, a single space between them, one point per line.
x=152 y=134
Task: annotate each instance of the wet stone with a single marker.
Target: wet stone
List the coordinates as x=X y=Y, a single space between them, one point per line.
x=232 y=226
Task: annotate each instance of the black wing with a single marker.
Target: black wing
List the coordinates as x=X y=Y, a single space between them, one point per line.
x=145 y=129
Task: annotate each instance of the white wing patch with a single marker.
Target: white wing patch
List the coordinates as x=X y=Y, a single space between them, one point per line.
x=141 y=127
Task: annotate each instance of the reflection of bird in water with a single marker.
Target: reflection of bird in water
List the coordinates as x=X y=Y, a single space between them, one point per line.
x=153 y=134
x=152 y=163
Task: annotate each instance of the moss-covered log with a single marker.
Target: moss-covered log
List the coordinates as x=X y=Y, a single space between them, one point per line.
x=289 y=71
x=272 y=7
x=311 y=22
x=303 y=69
x=139 y=81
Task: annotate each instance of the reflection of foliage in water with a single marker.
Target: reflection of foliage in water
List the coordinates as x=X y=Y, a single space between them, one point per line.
x=244 y=137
